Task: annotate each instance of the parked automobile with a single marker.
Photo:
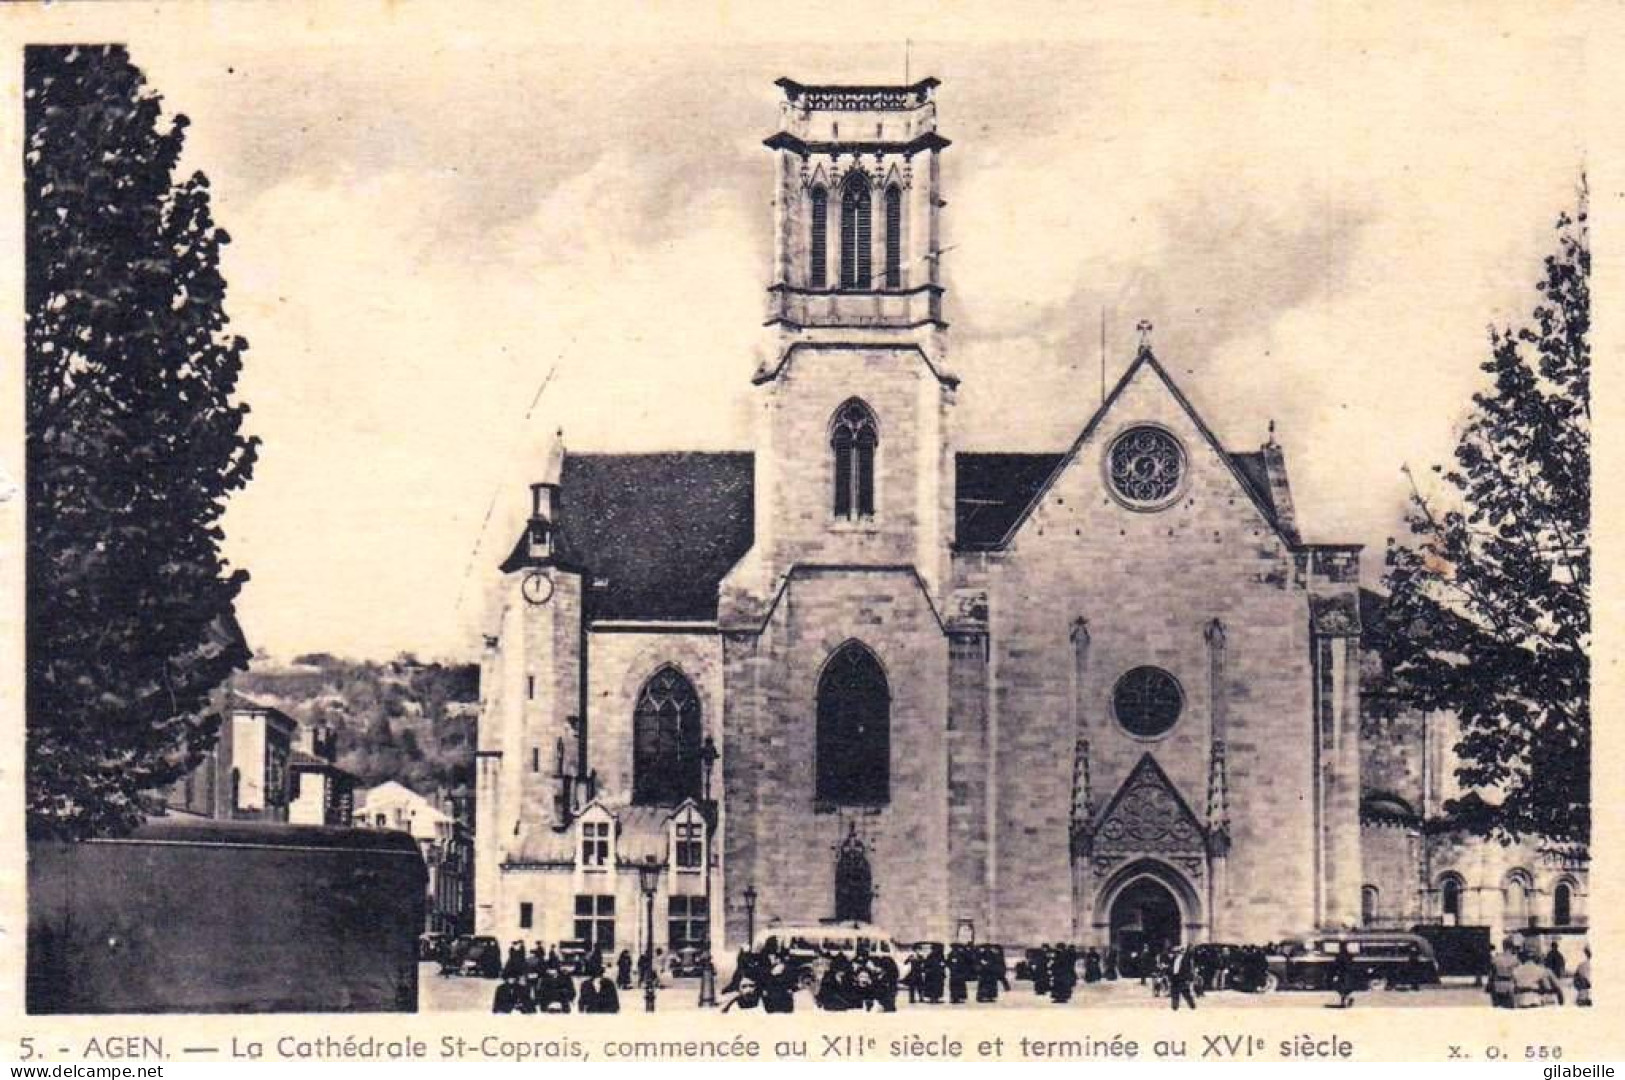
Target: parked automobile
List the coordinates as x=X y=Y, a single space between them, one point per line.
x=810 y=948
x=575 y=956
x=432 y=946
x=482 y=957
x=1222 y=966
x=1378 y=959
x=1461 y=950
x=686 y=961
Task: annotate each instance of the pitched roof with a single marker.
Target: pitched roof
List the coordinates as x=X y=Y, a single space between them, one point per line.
x=991 y=491
x=1248 y=471
x=661 y=529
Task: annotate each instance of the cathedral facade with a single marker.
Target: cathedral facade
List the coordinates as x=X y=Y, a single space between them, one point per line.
x=1106 y=693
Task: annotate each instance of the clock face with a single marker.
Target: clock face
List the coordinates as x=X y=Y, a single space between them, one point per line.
x=537 y=588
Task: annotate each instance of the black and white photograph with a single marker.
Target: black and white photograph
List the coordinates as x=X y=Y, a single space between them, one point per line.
x=724 y=512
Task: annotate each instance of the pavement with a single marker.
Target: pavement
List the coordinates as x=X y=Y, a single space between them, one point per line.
x=461 y=994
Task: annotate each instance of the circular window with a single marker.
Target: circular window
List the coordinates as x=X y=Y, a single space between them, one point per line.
x=1147 y=701
x=1145 y=465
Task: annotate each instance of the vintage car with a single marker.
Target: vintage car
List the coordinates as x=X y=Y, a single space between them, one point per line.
x=686 y=961
x=810 y=948
x=1379 y=959
x=482 y=956
x=1231 y=967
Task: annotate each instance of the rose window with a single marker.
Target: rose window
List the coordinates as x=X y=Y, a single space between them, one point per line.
x=1145 y=465
x=1147 y=701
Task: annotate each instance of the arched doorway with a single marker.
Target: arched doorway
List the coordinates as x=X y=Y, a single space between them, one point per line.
x=854 y=884
x=1144 y=916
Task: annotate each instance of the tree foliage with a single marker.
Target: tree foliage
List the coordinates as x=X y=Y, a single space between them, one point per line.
x=1490 y=616
x=134 y=444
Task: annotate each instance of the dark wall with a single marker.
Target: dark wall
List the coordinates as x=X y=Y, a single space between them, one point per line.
x=220 y=917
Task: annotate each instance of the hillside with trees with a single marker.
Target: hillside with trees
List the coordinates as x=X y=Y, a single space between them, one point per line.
x=401 y=720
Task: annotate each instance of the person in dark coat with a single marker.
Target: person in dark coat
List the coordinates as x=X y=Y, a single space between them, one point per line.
x=598 y=994
x=1042 y=958
x=933 y=975
x=505 y=999
x=623 y=970
x=1091 y=967
x=1181 y=976
x=884 y=992
x=1111 y=964
x=1555 y=963
x=779 y=988
x=961 y=967
x=1343 y=977
x=913 y=976
x=987 y=975
x=595 y=961
x=1063 y=974
x=556 y=992
x=514 y=967
x=834 y=992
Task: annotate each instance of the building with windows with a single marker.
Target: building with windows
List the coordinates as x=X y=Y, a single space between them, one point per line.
x=1107 y=692
x=444 y=837
x=1419 y=869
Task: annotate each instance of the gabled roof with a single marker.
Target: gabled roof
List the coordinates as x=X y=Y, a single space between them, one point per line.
x=661 y=530
x=1250 y=475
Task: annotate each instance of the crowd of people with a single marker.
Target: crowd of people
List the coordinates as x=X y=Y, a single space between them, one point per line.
x=770 y=978
x=541 y=981
x=1522 y=978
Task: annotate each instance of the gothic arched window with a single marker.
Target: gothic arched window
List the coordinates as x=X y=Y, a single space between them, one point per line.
x=1370 y=898
x=854 y=729
x=856 y=255
x=666 y=741
x=894 y=237
x=818 y=244
x=853 y=436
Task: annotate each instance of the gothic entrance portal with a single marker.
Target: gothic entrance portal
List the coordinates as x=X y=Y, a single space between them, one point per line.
x=1145 y=918
x=854 y=885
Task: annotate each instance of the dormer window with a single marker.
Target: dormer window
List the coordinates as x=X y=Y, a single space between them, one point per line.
x=596 y=845
x=853 y=437
x=687 y=837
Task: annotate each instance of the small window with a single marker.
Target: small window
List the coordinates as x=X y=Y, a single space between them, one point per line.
x=687 y=922
x=530 y=687
x=595 y=921
x=595 y=844
x=1369 y=898
x=690 y=844
x=536 y=759
x=526 y=915
x=1450 y=900
x=1563 y=904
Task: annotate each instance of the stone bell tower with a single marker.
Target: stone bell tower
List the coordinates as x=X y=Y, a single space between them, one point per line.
x=857 y=197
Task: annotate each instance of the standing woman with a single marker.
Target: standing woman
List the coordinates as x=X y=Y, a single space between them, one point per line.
x=1343 y=976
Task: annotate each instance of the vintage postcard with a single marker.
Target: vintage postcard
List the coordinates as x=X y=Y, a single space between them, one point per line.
x=1031 y=533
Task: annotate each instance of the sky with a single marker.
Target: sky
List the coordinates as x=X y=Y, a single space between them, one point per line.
x=433 y=220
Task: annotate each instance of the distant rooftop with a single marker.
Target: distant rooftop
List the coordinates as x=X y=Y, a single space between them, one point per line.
x=859 y=98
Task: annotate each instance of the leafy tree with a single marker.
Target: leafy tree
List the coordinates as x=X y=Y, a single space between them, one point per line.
x=133 y=445
x=1490 y=615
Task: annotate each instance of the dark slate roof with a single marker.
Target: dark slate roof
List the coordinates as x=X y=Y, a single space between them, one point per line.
x=991 y=491
x=1256 y=475
x=661 y=529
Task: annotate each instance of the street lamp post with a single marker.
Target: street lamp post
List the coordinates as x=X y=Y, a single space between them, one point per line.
x=648 y=879
x=708 y=971
x=750 y=916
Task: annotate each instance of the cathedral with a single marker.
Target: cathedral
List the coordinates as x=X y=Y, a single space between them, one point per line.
x=1105 y=694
